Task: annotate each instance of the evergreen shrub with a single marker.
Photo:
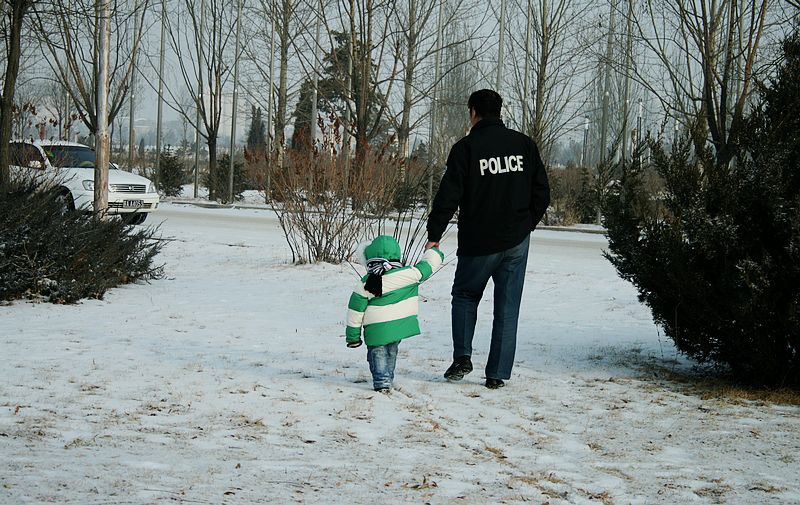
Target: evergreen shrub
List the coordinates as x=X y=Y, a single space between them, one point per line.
x=719 y=264
x=217 y=181
x=61 y=257
x=172 y=174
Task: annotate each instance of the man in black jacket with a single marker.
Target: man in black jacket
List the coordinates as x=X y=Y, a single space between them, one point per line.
x=496 y=180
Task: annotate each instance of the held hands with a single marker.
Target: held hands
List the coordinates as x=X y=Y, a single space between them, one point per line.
x=353 y=345
x=430 y=245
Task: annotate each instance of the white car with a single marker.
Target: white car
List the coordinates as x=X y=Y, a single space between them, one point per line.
x=71 y=167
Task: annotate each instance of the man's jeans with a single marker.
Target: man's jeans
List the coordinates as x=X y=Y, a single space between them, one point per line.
x=382 y=359
x=507 y=270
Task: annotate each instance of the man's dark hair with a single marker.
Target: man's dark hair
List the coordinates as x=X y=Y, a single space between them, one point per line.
x=486 y=103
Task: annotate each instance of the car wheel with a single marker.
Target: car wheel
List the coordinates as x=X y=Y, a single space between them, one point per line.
x=65 y=201
x=136 y=218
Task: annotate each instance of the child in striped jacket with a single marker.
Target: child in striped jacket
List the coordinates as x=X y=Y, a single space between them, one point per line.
x=385 y=304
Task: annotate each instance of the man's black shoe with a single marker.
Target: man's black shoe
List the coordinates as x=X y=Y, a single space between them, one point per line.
x=461 y=366
x=495 y=383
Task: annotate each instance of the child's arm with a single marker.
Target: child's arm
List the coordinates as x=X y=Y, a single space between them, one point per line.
x=355 y=315
x=430 y=263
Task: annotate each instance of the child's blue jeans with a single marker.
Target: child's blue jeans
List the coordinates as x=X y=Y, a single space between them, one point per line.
x=382 y=359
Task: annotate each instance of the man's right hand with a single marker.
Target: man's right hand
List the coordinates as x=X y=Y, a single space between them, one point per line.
x=430 y=245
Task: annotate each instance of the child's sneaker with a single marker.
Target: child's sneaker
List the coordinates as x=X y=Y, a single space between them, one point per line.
x=385 y=391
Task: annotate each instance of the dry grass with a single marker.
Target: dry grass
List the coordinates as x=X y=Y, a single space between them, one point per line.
x=765 y=487
x=498 y=453
x=604 y=497
x=706 y=382
x=244 y=421
x=717 y=491
x=707 y=387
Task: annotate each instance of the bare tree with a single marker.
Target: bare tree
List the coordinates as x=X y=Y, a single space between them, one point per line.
x=103 y=143
x=201 y=36
x=705 y=52
x=76 y=38
x=367 y=110
x=56 y=102
x=14 y=12
x=414 y=36
x=607 y=108
x=460 y=75
x=284 y=23
x=553 y=38
x=281 y=38
x=67 y=28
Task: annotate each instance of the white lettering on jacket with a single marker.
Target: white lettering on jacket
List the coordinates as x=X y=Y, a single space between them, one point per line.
x=501 y=165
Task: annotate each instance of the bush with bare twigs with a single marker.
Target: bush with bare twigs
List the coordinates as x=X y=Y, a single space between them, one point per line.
x=327 y=204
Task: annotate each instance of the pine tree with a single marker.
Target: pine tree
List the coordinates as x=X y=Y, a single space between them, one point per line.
x=172 y=174
x=257 y=134
x=331 y=94
x=141 y=150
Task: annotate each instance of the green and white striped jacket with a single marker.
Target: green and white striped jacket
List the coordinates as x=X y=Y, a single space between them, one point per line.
x=392 y=316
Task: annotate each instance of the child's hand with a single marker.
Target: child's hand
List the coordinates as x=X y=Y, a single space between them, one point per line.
x=353 y=345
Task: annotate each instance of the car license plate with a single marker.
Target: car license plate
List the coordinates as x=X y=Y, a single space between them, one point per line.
x=134 y=204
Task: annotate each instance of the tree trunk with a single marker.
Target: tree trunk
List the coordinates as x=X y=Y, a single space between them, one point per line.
x=411 y=49
x=212 y=165
x=280 y=113
x=362 y=111
x=102 y=139
x=541 y=78
x=18 y=10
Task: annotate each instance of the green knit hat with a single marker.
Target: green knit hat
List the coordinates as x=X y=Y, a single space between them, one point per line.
x=384 y=246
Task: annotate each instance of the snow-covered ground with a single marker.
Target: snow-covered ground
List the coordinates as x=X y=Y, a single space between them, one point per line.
x=229 y=382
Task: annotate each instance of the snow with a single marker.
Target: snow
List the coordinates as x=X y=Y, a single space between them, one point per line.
x=229 y=382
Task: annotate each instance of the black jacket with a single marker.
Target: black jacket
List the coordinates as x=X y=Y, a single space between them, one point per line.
x=496 y=179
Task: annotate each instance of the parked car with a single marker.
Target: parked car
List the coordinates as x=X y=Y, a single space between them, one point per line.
x=71 y=167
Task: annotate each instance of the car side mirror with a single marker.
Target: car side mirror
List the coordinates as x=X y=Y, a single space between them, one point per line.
x=35 y=164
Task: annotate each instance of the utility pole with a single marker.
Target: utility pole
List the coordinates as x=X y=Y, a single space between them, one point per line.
x=160 y=93
x=501 y=45
x=235 y=98
x=101 y=106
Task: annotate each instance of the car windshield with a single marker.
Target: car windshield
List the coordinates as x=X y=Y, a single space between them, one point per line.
x=70 y=156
